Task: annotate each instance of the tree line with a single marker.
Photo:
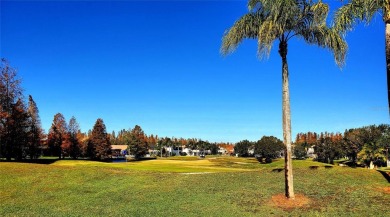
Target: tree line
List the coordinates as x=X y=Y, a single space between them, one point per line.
x=364 y=145
x=154 y=142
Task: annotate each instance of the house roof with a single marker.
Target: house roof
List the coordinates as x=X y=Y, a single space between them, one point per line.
x=121 y=147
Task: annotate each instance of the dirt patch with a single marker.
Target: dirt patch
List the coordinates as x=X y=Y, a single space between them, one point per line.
x=386 y=190
x=281 y=201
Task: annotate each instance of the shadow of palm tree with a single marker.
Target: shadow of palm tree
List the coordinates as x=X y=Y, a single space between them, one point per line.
x=385 y=174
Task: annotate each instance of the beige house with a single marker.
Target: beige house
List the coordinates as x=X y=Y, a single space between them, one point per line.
x=118 y=150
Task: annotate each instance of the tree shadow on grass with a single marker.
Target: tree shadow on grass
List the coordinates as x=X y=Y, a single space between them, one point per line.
x=385 y=174
x=140 y=159
x=278 y=170
x=34 y=161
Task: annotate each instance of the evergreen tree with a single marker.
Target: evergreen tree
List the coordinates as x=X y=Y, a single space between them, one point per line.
x=137 y=143
x=99 y=146
x=57 y=134
x=269 y=147
x=241 y=148
x=35 y=130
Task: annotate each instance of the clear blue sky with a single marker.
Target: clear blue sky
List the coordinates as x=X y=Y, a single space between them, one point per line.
x=157 y=64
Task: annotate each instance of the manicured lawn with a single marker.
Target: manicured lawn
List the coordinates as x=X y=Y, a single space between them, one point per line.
x=187 y=187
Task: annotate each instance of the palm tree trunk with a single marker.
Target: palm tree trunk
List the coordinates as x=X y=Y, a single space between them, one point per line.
x=289 y=188
x=388 y=61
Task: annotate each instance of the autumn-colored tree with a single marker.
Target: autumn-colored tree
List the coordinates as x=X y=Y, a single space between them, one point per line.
x=12 y=112
x=152 y=141
x=99 y=146
x=113 y=138
x=57 y=134
x=71 y=145
x=136 y=140
x=35 y=134
x=18 y=130
x=306 y=140
x=281 y=20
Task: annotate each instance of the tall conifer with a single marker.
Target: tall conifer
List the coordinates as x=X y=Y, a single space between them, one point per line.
x=35 y=130
x=57 y=134
x=99 y=143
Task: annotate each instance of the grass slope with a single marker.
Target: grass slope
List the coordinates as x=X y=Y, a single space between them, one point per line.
x=187 y=187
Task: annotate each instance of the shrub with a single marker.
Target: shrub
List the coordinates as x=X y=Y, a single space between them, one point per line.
x=300 y=151
x=268 y=147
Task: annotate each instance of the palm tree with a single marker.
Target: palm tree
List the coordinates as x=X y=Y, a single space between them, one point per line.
x=282 y=20
x=364 y=10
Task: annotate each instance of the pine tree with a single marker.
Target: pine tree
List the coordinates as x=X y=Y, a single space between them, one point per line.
x=99 y=146
x=137 y=143
x=57 y=135
x=74 y=149
x=35 y=130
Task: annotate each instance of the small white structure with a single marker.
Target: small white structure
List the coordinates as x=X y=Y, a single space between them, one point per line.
x=310 y=153
x=188 y=151
x=251 y=151
x=222 y=151
x=173 y=150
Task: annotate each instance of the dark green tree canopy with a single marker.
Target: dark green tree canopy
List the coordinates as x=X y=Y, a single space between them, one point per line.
x=269 y=147
x=241 y=148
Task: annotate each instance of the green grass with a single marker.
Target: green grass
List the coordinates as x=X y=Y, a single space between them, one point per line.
x=225 y=186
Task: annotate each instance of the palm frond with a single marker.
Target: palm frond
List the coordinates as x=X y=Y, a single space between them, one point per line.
x=320 y=12
x=356 y=11
x=245 y=27
x=268 y=32
x=254 y=4
x=329 y=38
x=348 y=15
x=386 y=11
x=270 y=20
x=373 y=6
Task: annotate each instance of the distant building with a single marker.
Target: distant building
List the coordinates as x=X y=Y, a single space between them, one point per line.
x=119 y=151
x=226 y=149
